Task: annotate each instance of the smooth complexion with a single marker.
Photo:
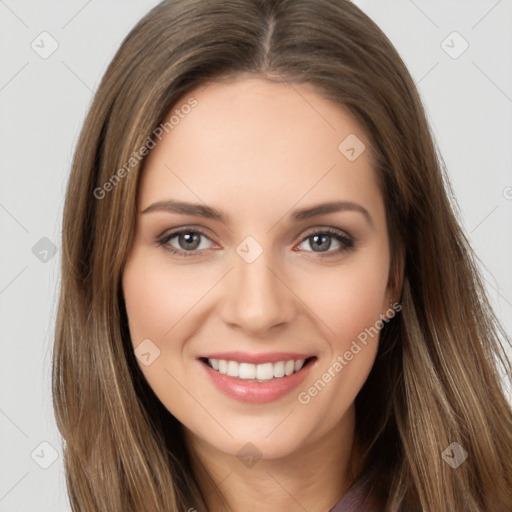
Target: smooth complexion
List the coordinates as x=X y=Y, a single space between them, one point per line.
x=258 y=151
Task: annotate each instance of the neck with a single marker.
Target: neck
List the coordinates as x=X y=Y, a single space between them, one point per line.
x=312 y=478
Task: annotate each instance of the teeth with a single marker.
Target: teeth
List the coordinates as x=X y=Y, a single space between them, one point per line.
x=262 y=372
x=232 y=369
x=278 y=369
x=247 y=371
x=265 y=371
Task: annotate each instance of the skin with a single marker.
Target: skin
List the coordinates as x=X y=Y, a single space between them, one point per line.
x=257 y=150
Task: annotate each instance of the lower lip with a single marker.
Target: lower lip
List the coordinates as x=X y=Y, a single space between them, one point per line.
x=257 y=392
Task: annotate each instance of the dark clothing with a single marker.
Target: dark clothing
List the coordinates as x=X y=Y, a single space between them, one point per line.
x=356 y=499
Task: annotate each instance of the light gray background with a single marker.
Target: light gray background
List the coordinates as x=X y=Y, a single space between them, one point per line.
x=42 y=106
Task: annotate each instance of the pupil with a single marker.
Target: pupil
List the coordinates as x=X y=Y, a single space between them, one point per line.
x=323 y=245
x=190 y=239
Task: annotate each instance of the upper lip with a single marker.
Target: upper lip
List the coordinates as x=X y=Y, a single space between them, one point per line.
x=256 y=358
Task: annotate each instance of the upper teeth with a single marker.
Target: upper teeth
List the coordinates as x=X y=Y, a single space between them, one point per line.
x=265 y=371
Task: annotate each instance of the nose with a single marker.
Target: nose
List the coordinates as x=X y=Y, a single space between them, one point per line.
x=257 y=297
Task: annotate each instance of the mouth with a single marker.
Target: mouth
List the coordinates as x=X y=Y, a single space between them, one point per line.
x=261 y=372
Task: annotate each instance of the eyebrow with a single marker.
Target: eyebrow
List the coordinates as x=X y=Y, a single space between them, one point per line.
x=201 y=210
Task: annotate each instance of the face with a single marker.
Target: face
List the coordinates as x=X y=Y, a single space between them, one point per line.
x=249 y=276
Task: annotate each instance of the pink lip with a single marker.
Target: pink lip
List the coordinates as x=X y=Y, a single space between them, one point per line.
x=257 y=392
x=263 y=357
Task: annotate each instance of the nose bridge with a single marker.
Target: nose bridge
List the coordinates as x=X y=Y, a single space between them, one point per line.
x=256 y=299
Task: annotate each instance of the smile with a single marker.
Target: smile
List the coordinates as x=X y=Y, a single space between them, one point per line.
x=257 y=378
x=257 y=372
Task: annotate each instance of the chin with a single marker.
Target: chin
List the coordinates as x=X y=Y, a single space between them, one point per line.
x=268 y=438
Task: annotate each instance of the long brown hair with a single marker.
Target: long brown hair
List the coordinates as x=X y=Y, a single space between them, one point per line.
x=436 y=379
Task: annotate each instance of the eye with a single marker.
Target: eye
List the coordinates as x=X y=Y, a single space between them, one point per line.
x=188 y=241
x=321 y=242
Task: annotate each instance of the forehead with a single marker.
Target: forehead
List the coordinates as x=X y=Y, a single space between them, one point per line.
x=255 y=144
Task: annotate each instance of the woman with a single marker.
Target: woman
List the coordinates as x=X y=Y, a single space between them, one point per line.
x=267 y=302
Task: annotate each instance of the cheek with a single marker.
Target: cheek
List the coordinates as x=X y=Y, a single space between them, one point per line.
x=146 y=304
x=162 y=303
x=154 y=306
x=157 y=296
x=352 y=298
x=350 y=308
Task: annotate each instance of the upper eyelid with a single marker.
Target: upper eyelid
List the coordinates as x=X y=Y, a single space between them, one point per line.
x=169 y=234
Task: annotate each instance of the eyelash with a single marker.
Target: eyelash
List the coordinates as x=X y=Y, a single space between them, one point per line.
x=346 y=242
